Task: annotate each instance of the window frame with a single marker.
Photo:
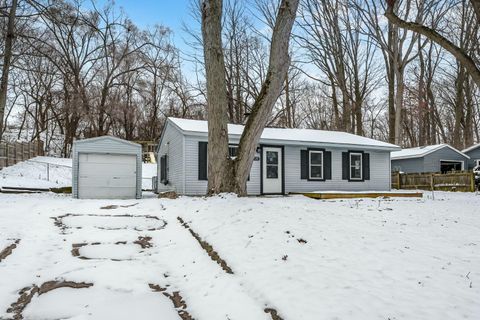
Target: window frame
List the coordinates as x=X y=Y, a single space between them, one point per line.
x=350 y=178
x=235 y=146
x=309 y=168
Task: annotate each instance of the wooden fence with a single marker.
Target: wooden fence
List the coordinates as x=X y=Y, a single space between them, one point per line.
x=456 y=181
x=12 y=153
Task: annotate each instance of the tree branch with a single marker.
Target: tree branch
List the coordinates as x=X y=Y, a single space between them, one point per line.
x=434 y=36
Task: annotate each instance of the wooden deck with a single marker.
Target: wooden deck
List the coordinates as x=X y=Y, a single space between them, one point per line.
x=355 y=195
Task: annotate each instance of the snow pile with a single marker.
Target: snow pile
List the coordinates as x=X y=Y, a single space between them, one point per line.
x=38 y=172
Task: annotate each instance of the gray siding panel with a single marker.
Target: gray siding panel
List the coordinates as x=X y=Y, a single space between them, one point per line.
x=430 y=162
x=379 y=173
x=171 y=144
x=408 y=165
x=474 y=155
x=183 y=168
x=193 y=186
x=105 y=145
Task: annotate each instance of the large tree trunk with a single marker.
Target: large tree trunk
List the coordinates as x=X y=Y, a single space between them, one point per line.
x=225 y=175
x=219 y=167
x=391 y=86
x=7 y=60
x=458 y=107
x=277 y=69
x=399 y=106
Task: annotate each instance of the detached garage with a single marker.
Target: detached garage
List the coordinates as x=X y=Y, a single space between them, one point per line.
x=107 y=168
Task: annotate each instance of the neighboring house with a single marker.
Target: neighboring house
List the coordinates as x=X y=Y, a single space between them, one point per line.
x=287 y=160
x=436 y=158
x=474 y=153
x=106 y=168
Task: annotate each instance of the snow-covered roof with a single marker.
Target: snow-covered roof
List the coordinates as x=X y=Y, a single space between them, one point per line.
x=475 y=146
x=419 y=152
x=290 y=136
x=107 y=138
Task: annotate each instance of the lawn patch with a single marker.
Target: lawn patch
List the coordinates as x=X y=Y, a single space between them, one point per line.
x=177 y=300
x=8 y=250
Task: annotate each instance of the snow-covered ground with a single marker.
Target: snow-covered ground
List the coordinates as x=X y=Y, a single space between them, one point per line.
x=38 y=172
x=307 y=259
x=50 y=172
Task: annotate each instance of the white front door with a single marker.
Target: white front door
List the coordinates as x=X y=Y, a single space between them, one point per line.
x=272 y=170
x=107 y=176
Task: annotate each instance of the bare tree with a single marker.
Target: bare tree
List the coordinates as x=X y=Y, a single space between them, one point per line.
x=226 y=175
x=460 y=54
x=7 y=60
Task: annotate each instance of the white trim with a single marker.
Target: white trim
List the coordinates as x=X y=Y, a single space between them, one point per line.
x=475 y=146
x=476 y=162
x=463 y=163
x=108 y=138
x=350 y=165
x=316 y=165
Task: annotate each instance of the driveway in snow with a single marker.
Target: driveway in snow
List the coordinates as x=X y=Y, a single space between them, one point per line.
x=306 y=259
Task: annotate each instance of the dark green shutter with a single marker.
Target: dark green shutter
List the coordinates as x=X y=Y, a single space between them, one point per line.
x=303 y=164
x=366 y=166
x=163 y=170
x=345 y=166
x=327 y=159
x=202 y=160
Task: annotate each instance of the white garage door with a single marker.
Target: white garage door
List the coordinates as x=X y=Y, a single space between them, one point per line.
x=107 y=176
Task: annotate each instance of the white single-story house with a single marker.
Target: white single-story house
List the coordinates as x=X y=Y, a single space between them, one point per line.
x=106 y=168
x=435 y=158
x=287 y=160
x=474 y=153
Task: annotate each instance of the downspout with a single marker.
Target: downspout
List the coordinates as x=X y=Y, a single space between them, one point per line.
x=184 y=165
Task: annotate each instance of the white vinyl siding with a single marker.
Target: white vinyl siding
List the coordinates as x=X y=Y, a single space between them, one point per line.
x=184 y=148
x=379 y=173
x=171 y=144
x=193 y=186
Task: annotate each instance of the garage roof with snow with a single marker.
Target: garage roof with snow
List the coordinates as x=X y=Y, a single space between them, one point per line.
x=420 y=152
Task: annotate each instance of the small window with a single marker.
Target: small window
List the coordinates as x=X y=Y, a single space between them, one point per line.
x=477 y=162
x=316 y=165
x=356 y=166
x=232 y=151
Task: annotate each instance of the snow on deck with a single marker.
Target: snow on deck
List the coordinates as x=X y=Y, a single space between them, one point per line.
x=308 y=259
